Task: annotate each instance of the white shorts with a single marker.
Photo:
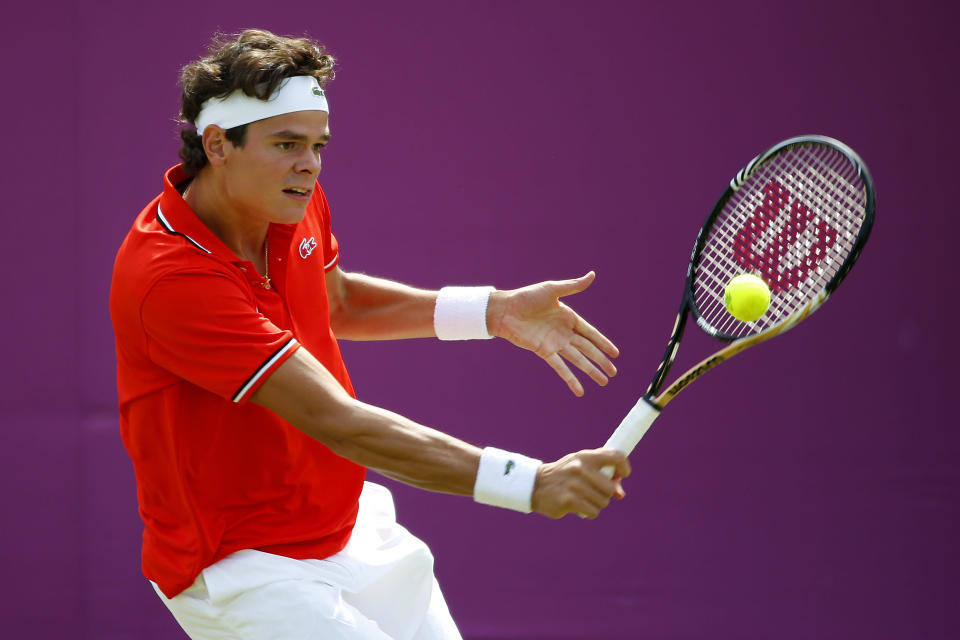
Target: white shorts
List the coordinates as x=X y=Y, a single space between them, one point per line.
x=380 y=587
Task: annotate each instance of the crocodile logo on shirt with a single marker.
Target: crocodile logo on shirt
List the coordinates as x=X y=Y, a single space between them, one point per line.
x=307 y=247
x=318 y=92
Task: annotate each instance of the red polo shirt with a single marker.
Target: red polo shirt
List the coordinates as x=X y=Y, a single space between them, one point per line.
x=197 y=333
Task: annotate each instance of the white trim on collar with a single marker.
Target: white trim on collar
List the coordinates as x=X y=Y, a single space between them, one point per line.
x=162 y=219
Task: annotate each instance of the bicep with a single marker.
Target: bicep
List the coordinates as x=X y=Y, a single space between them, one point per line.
x=364 y=307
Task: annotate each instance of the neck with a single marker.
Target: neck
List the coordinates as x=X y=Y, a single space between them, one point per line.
x=242 y=233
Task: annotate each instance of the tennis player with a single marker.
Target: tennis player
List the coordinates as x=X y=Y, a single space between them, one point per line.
x=249 y=446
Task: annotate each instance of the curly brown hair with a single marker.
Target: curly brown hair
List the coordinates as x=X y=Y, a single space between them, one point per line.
x=254 y=61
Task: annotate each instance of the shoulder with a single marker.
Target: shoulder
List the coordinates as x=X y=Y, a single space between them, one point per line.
x=151 y=253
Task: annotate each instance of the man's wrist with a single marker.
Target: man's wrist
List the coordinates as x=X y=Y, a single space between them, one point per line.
x=496 y=307
x=460 y=313
x=506 y=479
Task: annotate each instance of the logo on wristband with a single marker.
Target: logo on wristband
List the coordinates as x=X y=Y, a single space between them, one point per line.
x=510 y=465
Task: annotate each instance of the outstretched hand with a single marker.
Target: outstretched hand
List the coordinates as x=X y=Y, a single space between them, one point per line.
x=533 y=317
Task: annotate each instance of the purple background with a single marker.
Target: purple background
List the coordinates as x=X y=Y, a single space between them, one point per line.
x=810 y=490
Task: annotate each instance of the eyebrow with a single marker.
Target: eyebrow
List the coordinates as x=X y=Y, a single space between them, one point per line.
x=286 y=134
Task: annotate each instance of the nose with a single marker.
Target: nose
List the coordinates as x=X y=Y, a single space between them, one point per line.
x=309 y=162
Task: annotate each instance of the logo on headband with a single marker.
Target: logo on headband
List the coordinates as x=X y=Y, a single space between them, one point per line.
x=318 y=91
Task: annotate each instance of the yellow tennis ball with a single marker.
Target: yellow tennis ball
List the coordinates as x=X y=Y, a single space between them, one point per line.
x=747 y=297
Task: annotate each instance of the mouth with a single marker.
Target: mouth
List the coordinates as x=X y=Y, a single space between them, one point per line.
x=300 y=193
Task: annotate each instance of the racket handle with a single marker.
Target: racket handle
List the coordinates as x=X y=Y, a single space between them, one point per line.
x=632 y=428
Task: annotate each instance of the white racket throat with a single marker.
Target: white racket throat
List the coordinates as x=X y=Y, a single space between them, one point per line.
x=632 y=428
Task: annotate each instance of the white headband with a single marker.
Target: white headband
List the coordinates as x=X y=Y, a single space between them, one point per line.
x=299 y=93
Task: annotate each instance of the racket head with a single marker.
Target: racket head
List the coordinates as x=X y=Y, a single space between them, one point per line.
x=798 y=216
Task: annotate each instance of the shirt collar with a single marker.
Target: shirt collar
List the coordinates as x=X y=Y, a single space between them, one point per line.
x=176 y=217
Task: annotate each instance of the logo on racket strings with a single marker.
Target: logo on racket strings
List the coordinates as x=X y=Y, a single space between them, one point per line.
x=767 y=262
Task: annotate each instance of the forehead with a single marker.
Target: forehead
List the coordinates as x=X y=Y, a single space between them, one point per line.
x=311 y=124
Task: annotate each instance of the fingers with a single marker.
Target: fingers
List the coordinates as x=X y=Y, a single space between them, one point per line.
x=577 y=359
x=590 y=350
x=621 y=465
x=619 y=493
x=584 y=328
x=579 y=352
x=538 y=321
x=576 y=285
x=598 y=459
x=584 y=501
x=596 y=338
x=604 y=487
x=576 y=484
x=557 y=364
x=589 y=507
x=592 y=499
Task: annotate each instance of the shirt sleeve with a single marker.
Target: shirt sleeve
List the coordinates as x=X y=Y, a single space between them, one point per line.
x=205 y=328
x=331 y=248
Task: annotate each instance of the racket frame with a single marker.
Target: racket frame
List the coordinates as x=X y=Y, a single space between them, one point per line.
x=636 y=423
x=659 y=399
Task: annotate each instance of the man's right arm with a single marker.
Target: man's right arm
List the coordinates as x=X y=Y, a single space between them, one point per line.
x=305 y=394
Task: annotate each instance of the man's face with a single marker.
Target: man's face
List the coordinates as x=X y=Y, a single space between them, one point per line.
x=272 y=176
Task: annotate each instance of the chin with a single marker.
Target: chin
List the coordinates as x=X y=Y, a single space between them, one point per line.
x=290 y=216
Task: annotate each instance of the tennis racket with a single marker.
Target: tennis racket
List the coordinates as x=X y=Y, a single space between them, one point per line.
x=797 y=216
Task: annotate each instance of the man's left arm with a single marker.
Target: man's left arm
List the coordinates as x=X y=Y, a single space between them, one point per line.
x=363 y=307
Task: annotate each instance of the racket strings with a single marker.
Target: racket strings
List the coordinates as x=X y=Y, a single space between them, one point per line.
x=803 y=245
x=796 y=290
x=793 y=222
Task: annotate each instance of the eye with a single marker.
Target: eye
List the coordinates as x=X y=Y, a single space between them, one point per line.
x=285 y=146
x=317 y=148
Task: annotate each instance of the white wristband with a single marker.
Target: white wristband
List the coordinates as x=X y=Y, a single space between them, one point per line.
x=506 y=479
x=461 y=313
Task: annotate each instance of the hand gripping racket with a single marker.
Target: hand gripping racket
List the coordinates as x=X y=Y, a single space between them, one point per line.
x=797 y=216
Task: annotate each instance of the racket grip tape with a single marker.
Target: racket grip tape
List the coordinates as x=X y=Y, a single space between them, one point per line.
x=631 y=429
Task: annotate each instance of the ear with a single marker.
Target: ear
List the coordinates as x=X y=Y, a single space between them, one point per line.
x=214 y=145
